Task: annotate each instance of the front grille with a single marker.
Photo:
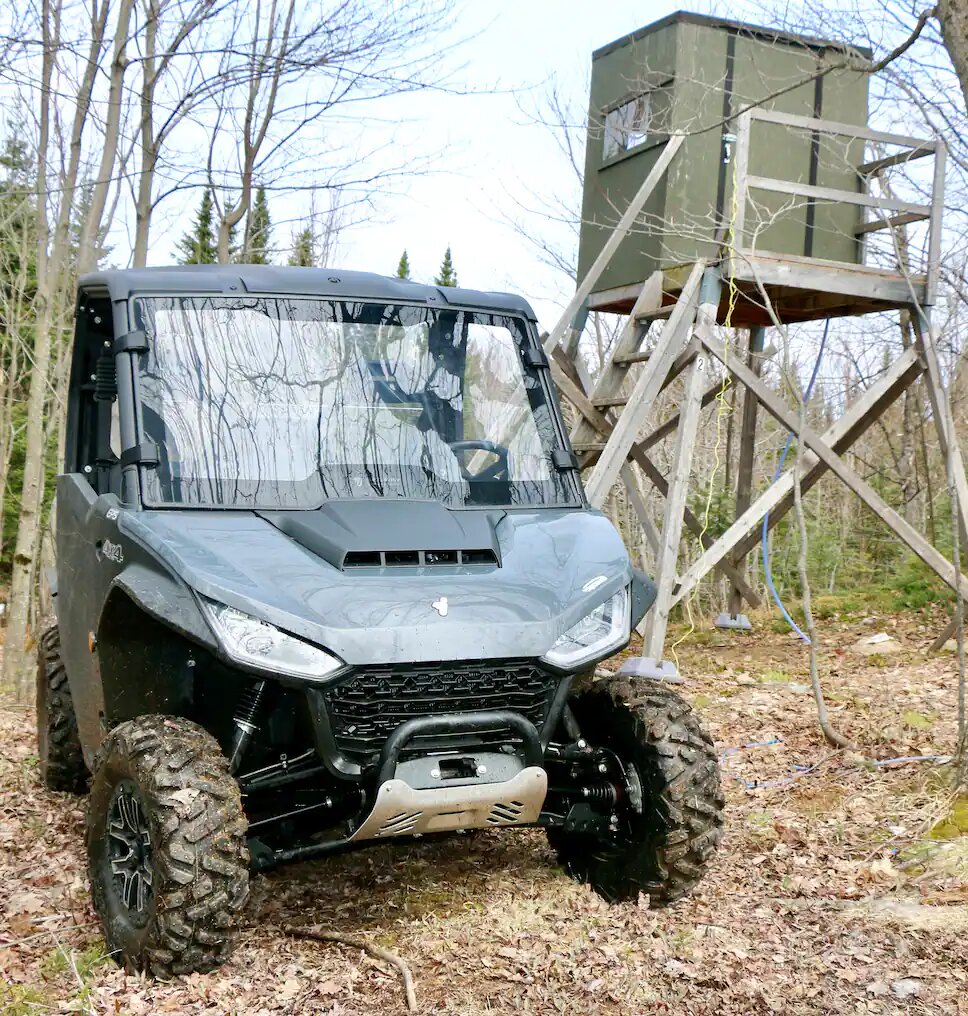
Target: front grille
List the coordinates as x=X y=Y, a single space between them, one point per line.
x=366 y=707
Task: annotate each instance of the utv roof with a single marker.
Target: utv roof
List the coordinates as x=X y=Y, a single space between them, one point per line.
x=275 y=280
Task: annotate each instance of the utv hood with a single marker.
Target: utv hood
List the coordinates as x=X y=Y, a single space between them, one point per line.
x=343 y=577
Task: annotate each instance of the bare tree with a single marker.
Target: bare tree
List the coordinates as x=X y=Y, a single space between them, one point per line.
x=54 y=270
x=285 y=68
x=160 y=57
x=953 y=15
x=91 y=226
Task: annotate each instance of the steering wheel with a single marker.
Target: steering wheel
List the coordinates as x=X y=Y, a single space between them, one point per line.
x=498 y=471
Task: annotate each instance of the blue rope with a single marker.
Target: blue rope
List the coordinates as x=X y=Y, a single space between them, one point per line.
x=801 y=769
x=764 y=542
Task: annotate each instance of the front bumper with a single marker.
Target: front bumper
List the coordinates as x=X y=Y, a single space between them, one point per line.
x=439 y=793
x=484 y=790
x=356 y=714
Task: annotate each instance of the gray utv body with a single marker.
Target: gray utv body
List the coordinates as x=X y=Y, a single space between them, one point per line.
x=441 y=709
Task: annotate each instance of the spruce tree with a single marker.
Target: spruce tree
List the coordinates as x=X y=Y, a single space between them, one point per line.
x=199 y=245
x=403 y=268
x=259 y=231
x=447 y=276
x=17 y=215
x=303 y=254
x=79 y=213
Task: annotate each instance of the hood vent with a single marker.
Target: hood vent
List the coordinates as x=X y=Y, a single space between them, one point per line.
x=417 y=558
x=387 y=533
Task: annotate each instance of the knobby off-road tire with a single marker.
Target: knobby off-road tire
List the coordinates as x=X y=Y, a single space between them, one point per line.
x=58 y=744
x=166 y=840
x=663 y=848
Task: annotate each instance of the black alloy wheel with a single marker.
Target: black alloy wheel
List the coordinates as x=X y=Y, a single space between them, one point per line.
x=129 y=853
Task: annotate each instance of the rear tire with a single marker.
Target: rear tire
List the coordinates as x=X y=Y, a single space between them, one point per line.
x=167 y=854
x=664 y=847
x=58 y=744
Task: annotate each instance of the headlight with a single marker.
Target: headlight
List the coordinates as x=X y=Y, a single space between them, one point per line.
x=607 y=627
x=259 y=644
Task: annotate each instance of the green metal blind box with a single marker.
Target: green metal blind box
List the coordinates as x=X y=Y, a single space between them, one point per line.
x=693 y=75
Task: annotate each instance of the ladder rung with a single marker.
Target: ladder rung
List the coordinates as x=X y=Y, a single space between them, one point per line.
x=628 y=358
x=589 y=446
x=608 y=403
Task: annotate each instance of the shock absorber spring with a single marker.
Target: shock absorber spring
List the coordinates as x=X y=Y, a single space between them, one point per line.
x=601 y=792
x=250 y=704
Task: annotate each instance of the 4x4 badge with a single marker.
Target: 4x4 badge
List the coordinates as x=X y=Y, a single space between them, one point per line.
x=440 y=606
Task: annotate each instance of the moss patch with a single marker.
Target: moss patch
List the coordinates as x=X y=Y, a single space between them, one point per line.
x=955 y=823
x=916 y=720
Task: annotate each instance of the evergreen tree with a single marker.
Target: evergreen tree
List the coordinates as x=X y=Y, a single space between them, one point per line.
x=79 y=214
x=17 y=216
x=259 y=231
x=18 y=288
x=200 y=246
x=403 y=268
x=303 y=254
x=447 y=276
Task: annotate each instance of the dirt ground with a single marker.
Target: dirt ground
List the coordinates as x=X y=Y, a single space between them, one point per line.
x=841 y=887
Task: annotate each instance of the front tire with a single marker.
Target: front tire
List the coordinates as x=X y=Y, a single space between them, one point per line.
x=663 y=846
x=58 y=743
x=167 y=855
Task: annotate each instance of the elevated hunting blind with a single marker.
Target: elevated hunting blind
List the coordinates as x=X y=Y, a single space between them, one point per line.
x=694 y=75
x=731 y=178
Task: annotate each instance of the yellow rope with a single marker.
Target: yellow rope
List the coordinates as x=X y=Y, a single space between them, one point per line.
x=722 y=411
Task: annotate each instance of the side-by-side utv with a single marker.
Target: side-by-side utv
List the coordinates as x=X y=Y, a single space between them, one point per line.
x=326 y=575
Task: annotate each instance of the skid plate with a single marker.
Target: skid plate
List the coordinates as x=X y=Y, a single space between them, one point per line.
x=401 y=810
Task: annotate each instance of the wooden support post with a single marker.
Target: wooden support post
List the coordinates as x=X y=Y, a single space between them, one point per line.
x=777 y=408
x=674 y=337
x=944 y=424
x=747 y=452
x=618 y=234
x=860 y=416
x=934 y=230
x=675 y=507
x=941 y=411
x=666 y=570
x=572 y=336
x=669 y=426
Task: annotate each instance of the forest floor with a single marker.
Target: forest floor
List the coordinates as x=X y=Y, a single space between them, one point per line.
x=839 y=888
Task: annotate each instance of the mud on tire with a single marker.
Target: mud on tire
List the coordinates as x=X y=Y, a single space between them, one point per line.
x=58 y=744
x=166 y=843
x=664 y=849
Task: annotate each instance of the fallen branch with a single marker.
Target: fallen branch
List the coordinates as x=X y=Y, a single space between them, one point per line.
x=355 y=942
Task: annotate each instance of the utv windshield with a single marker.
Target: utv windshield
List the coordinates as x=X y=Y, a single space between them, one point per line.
x=288 y=402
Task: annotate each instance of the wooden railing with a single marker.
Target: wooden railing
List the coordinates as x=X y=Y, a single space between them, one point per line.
x=904 y=212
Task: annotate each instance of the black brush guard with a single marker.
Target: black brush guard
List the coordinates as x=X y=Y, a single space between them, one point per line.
x=463 y=723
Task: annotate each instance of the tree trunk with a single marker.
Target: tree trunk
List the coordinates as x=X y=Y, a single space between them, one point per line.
x=953 y=15
x=907 y=474
x=149 y=154
x=22 y=571
x=91 y=228
x=52 y=277
x=16 y=316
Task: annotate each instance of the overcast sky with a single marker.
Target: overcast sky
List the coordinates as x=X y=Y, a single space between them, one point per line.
x=494 y=155
x=490 y=155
